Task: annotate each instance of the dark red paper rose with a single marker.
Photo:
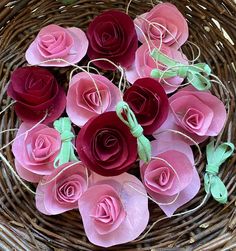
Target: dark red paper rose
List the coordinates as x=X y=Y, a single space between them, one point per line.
x=148 y=100
x=106 y=146
x=112 y=35
x=36 y=91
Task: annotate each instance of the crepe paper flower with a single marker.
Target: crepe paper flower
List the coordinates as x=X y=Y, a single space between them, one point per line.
x=35 y=151
x=36 y=93
x=60 y=191
x=55 y=42
x=144 y=64
x=114 y=210
x=216 y=156
x=127 y=116
x=172 y=179
x=163 y=23
x=149 y=102
x=106 y=146
x=90 y=95
x=112 y=36
x=196 y=74
x=196 y=113
x=63 y=126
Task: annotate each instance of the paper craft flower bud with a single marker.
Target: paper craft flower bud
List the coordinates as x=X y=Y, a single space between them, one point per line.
x=172 y=180
x=90 y=95
x=36 y=92
x=144 y=64
x=106 y=146
x=35 y=151
x=198 y=114
x=112 y=211
x=55 y=42
x=112 y=36
x=164 y=23
x=60 y=191
x=149 y=102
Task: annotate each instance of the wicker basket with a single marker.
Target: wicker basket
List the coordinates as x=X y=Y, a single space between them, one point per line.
x=22 y=227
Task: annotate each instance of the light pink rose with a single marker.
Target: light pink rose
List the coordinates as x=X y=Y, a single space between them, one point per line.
x=35 y=151
x=53 y=41
x=113 y=212
x=60 y=191
x=144 y=64
x=196 y=113
x=173 y=179
x=83 y=100
x=169 y=25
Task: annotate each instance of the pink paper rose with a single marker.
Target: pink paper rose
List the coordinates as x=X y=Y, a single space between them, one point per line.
x=53 y=42
x=174 y=180
x=144 y=64
x=60 y=191
x=196 y=113
x=112 y=211
x=169 y=25
x=83 y=101
x=35 y=151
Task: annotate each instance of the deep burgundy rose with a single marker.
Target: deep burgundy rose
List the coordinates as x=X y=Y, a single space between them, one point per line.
x=148 y=100
x=106 y=146
x=112 y=35
x=36 y=91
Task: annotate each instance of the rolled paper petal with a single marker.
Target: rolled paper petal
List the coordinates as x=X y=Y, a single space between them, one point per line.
x=60 y=191
x=170 y=178
x=163 y=23
x=55 y=42
x=114 y=210
x=144 y=146
x=216 y=156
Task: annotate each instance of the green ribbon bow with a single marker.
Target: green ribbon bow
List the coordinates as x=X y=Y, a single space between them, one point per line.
x=196 y=74
x=144 y=146
x=63 y=126
x=215 y=157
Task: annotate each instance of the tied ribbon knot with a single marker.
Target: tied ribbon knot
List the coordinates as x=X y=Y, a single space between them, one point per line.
x=63 y=126
x=144 y=146
x=216 y=156
x=196 y=74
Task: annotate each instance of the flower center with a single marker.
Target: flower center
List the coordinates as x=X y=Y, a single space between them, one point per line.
x=193 y=119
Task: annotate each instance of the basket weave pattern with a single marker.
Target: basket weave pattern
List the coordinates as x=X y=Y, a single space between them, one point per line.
x=212 y=28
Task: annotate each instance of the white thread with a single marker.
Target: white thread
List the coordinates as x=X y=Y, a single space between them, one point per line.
x=12 y=103
x=15 y=174
x=26 y=132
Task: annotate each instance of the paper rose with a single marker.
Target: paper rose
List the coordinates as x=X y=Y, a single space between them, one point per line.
x=169 y=25
x=172 y=181
x=196 y=113
x=35 y=151
x=36 y=92
x=144 y=64
x=106 y=146
x=60 y=191
x=85 y=100
x=149 y=102
x=113 y=212
x=112 y=36
x=54 y=42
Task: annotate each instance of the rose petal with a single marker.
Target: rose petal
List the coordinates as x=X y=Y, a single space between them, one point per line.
x=134 y=203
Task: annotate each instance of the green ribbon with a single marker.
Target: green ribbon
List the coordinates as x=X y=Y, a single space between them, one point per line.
x=63 y=126
x=144 y=146
x=196 y=74
x=216 y=156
